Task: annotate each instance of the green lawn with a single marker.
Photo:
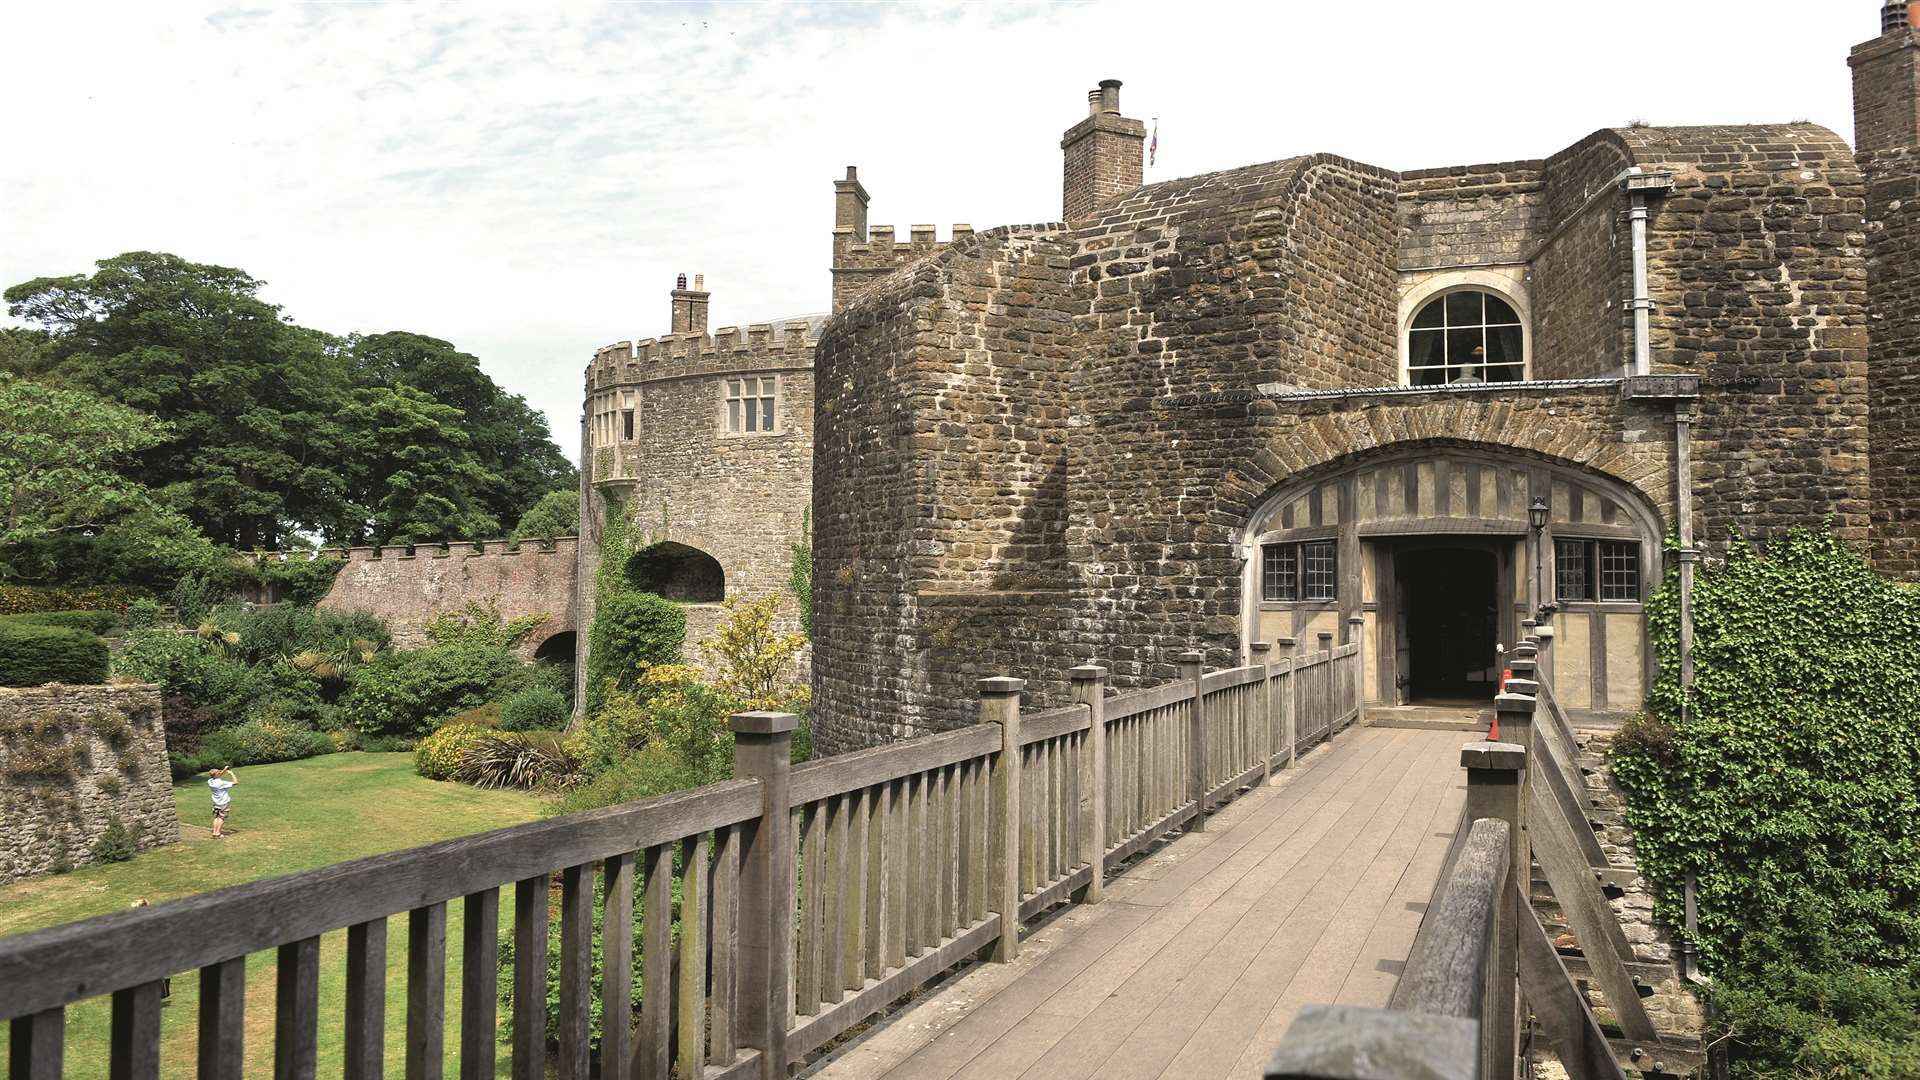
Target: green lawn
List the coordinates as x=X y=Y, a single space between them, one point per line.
x=288 y=817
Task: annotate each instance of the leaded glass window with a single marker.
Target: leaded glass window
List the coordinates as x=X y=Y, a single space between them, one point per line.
x=1465 y=337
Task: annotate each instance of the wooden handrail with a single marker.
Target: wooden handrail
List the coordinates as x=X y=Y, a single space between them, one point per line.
x=45 y=969
x=829 y=889
x=1448 y=975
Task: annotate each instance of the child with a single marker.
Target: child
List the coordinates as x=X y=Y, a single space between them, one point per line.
x=222 y=797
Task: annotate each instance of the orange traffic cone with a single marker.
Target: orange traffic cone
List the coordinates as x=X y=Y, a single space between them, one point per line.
x=1493 y=733
x=1505 y=674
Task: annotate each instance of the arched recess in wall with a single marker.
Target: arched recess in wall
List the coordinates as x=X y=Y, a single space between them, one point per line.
x=678 y=572
x=558 y=649
x=1430 y=546
x=1506 y=286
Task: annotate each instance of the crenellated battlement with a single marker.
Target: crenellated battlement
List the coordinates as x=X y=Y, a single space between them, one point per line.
x=759 y=346
x=468 y=549
x=862 y=257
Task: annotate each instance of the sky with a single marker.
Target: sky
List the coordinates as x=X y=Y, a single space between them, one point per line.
x=525 y=180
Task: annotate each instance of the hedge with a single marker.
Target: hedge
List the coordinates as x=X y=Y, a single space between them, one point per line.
x=92 y=622
x=21 y=599
x=32 y=655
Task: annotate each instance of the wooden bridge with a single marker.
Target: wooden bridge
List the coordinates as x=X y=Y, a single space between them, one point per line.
x=783 y=911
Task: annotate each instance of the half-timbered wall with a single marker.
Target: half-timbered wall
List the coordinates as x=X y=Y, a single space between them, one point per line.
x=1380 y=507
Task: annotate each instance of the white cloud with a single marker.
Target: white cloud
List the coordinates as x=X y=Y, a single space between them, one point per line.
x=525 y=182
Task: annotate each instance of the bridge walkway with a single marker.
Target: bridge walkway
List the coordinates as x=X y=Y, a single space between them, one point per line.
x=1308 y=890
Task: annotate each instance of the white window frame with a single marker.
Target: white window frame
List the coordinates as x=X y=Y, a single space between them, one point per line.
x=764 y=394
x=1415 y=300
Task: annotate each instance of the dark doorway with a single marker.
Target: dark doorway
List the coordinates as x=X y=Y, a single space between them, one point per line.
x=558 y=649
x=1452 y=623
x=678 y=572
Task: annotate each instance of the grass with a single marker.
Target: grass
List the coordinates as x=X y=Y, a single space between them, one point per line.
x=288 y=817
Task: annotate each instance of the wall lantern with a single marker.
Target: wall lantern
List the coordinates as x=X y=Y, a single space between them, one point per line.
x=1537 y=513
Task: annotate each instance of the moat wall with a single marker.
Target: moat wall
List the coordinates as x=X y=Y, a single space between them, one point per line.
x=72 y=759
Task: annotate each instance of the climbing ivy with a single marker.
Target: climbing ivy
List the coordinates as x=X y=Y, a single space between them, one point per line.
x=1791 y=786
x=801 y=577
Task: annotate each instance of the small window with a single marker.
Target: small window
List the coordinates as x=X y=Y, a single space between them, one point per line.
x=626 y=416
x=1465 y=337
x=750 y=404
x=1597 y=570
x=1298 y=571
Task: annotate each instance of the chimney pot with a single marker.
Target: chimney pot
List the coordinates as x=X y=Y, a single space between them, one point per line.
x=1093 y=102
x=853 y=172
x=1894 y=15
x=699 y=282
x=680 y=282
x=1110 y=95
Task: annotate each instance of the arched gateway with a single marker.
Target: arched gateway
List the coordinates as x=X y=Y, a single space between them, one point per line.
x=1433 y=548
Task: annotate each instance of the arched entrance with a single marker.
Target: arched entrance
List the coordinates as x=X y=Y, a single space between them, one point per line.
x=1429 y=545
x=678 y=572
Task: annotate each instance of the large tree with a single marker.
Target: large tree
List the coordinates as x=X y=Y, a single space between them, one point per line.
x=272 y=428
x=507 y=437
x=63 y=499
x=248 y=398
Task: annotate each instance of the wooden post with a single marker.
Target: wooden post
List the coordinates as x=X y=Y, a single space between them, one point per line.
x=1263 y=659
x=1192 y=666
x=1000 y=704
x=1290 y=699
x=1089 y=682
x=763 y=751
x=1357 y=634
x=1496 y=779
x=1327 y=706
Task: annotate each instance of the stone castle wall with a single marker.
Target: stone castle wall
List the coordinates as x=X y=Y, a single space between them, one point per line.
x=409 y=585
x=1893 y=269
x=1581 y=265
x=740 y=498
x=73 y=759
x=1760 y=287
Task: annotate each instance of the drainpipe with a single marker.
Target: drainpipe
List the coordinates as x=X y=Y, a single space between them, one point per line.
x=1683 y=478
x=1642 y=302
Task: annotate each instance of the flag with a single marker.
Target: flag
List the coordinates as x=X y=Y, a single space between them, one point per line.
x=1153 y=147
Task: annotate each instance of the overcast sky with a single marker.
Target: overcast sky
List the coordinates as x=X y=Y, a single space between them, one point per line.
x=526 y=180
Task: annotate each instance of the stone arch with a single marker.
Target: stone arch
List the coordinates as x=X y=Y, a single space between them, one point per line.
x=677 y=571
x=561 y=646
x=1367 y=513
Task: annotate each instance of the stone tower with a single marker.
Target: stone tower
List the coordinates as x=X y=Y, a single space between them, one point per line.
x=1886 y=110
x=1102 y=153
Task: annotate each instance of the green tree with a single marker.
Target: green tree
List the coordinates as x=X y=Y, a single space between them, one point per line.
x=556 y=514
x=60 y=487
x=410 y=470
x=248 y=397
x=502 y=431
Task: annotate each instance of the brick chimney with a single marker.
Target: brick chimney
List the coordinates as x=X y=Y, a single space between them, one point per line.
x=1886 y=84
x=690 y=305
x=850 y=205
x=1102 y=153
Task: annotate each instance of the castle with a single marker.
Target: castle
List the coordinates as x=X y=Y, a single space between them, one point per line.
x=1303 y=399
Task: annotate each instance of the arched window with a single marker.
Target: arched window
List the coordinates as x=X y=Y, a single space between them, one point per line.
x=1466 y=336
x=678 y=572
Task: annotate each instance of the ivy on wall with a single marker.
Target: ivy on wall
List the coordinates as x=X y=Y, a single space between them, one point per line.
x=1792 y=791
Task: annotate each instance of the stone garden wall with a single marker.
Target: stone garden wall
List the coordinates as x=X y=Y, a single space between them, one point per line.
x=72 y=760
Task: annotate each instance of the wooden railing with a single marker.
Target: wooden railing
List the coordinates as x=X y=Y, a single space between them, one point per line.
x=778 y=909
x=1482 y=962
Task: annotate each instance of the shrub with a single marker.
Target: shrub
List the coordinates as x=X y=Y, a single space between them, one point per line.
x=195 y=595
x=438 y=756
x=520 y=759
x=405 y=693
x=262 y=742
x=537 y=708
x=751 y=659
x=92 y=622
x=193 y=668
x=18 y=599
x=555 y=675
x=631 y=631
x=116 y=843
x=300 y=582
x=1802 y=1018
x=32 y=655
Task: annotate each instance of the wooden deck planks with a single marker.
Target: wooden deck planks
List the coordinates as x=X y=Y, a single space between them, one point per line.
x=1300 y=889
